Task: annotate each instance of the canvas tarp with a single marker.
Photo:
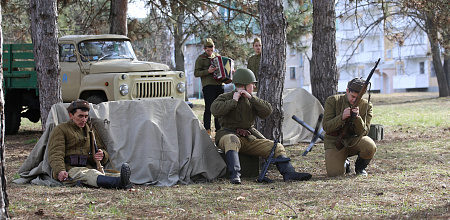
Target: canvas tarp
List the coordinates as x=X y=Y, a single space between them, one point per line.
x=161 y=139
x=306 y=107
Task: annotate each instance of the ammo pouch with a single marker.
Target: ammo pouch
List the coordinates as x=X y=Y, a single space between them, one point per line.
x=76 y=160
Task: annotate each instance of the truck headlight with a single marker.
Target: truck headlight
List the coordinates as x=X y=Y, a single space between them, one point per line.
x=181 y=87
x=123 y=89
x=181 y=75
x=124 y=76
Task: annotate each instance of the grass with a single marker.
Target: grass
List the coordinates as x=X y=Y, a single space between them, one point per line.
x=408 y=178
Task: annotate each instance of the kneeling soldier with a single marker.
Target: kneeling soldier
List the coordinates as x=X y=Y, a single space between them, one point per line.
x=237 y=111
x=69 y=155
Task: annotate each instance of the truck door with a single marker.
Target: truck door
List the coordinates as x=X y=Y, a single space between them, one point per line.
x=70 y=72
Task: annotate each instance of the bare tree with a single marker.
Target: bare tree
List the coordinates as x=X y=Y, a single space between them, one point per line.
x=3 y=195
x=323 y=70
x=273 y=65
x=118 y=17
x=44 y=34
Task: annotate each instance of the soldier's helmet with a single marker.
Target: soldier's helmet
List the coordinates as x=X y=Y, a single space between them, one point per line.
x=78 y=104
x=243 y=77
x=356 y=84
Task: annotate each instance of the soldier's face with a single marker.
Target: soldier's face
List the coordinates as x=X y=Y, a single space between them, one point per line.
x=257 y=47
x=209 y=50
x=80 y=117
x=250 y=87
x=351 y=96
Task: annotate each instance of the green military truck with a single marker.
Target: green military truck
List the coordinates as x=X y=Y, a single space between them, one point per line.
x=97 y=68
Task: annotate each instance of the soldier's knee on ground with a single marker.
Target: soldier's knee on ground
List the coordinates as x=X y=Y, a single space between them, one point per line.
x=369 y=148
x=230 y=142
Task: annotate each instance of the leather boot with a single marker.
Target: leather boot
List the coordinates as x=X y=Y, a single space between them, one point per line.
x=360 y=166
x=287 y=170
x=233 y=166
x=347 y=166
x=122 y=182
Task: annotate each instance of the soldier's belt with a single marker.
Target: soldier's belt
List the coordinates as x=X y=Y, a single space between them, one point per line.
x=76 y=160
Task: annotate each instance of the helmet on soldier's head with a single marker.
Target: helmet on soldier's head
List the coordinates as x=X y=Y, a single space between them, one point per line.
x=356 y=84
x=244 y=77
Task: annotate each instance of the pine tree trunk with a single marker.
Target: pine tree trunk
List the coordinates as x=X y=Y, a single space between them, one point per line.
x=118 y=17
x=323 y=70
x=44 y=34
x=3 y=195
x=273 y=65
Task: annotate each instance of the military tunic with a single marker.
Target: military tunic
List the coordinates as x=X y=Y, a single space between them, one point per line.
x=202 y=65
x=253 y=64
x=68 y=139
x=241 y=114
x=332 y=123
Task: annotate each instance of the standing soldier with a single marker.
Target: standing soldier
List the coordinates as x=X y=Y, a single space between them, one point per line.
x=356 y=142
x=69 y=148
x=237 y=111
x=253 y=61
x=211 y=87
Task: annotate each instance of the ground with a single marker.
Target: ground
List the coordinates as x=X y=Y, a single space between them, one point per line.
x=408 y=178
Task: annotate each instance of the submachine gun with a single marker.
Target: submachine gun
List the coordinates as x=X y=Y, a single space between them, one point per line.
x=262 y=176
x=339 y=144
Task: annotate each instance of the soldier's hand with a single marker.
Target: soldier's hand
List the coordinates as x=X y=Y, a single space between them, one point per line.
x=236 y=96
x=99 y=155
x=211 y=69
x=356 y=111
x=63 y=176
x=245 y=94
x=346 y=113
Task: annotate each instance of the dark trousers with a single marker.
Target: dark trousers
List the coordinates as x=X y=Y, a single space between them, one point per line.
x=210 y=92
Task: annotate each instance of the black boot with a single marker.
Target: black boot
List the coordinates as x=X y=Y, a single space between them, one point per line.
x=122 y=182
x=287 y=170
x=347 y=166
x=360 y=166
x=234 y=166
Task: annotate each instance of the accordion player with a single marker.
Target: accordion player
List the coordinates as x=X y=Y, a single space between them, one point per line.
x=225 y=67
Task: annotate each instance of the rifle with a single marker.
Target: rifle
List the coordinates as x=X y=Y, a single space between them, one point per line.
x=262 y=176
x=339 y=145
x=94 y=147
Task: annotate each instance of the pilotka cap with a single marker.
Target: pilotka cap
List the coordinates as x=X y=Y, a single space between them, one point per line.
x=209 y=42
x=356 y=84
x=79 y=103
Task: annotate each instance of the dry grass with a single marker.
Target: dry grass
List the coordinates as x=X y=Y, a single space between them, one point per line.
x=408 y=178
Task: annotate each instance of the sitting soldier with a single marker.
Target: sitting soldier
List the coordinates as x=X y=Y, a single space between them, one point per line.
x=69 y=148
x=237 y=111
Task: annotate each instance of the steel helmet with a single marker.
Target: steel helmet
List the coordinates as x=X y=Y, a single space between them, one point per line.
x=244 y=77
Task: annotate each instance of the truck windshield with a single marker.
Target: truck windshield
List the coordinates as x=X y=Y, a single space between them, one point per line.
x=106 y=50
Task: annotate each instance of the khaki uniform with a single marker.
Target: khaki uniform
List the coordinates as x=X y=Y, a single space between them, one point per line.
x=202 y=65
x=332 y=122
x=253 y=64
x=68 y=139
x=241 y=114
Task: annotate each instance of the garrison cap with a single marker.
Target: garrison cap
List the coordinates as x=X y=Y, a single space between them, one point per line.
x=257 y=39
x=356 y=84
x=209 y=42
x=77 y=104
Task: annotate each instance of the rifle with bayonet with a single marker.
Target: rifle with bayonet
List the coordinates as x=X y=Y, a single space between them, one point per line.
x=339 y=144
x=94 y=147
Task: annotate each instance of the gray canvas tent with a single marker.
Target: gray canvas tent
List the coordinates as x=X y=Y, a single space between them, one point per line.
x=161 y=139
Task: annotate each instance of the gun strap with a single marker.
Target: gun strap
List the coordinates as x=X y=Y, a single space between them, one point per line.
x=98 y=137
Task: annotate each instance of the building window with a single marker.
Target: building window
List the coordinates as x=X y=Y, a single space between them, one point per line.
x=422 y=67
x=389 y=54
x=292 y=72
x=433 y=71
x=292 y=51
x=301 y=60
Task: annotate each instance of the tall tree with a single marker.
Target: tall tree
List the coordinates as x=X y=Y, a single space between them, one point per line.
x=273 y=65
x=44 y=34
x=323 y=70
x=118 y=17
x=3 y=195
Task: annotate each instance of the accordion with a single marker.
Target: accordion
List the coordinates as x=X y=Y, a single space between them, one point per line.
x=225 y=66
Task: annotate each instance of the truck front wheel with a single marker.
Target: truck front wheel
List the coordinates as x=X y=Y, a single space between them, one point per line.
x=12 y=116
x=96 y=98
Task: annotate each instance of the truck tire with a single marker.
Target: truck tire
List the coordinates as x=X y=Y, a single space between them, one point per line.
x=12 y=117
x=96 y=98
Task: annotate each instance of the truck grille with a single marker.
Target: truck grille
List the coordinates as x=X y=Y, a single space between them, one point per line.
x=152 y=89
